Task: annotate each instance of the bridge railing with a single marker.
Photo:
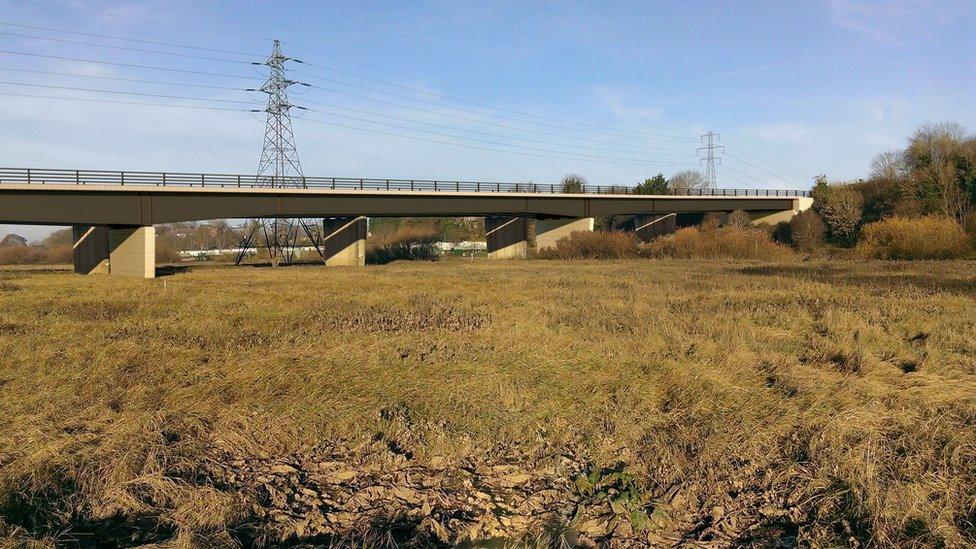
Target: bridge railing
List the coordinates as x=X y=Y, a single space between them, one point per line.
x=43 y=176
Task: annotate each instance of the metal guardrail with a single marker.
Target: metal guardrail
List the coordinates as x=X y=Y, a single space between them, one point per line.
x=41 y=176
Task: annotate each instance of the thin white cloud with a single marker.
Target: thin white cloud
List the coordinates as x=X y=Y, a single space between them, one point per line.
x=874 y=19
x=613 y=101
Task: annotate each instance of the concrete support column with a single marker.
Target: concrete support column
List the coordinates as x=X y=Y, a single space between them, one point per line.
x=549 y=231
x=126 y=251
x=772 y=218
x=132 y=252
x=647 y=227
x=506 y=237
x=344 y=241
x=90 y=249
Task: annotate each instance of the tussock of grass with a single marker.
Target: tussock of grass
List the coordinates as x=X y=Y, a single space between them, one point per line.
x=666 y=402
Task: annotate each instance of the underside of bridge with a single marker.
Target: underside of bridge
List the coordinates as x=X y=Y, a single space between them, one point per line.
x=114 y=224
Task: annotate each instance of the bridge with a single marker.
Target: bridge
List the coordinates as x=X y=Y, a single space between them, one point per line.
x=113 y=212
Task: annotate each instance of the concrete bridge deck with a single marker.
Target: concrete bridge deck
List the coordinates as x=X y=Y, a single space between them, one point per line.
x=144 y=205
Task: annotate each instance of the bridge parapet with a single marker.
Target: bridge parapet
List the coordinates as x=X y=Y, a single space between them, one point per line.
x=47 y=176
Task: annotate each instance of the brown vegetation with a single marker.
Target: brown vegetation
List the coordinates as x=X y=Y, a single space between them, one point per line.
x=594 y=245
x=806 y=231
x=662 y=403
x=711 y=242
x=930 y=237
x=407 y=242
x=55 y=249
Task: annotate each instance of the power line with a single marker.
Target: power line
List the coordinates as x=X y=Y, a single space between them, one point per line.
x=466 y=146
x=750 y=176
x=127 y=39
x=760 y=168
x=124 y=79
x=141 y=20
x=770 y=164
x=115 y=92
x=472 y=120
x=128 y=65
x=118 y=102
x=477 y=103
x=307 y=101
x=339 y=58
x=634 y=133
x=615 y=131
x=490 y=134
x=366 y=88
x=128 y=48
x=558 y=155
x=473 y=111
x=441 y=84
x=398 y=126
x=739 y=181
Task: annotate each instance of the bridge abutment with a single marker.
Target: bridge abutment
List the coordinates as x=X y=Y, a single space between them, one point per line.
x=772 y=218
x=549 y=231
x=123 y=251
x=507 y=237
x=344 y=241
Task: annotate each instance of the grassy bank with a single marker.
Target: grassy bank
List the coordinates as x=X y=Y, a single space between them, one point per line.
x=660 y=402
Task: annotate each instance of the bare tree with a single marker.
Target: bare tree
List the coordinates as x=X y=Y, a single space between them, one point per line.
x=687 y=180
x=573 y=183
x=888 y=165
x=936 y=156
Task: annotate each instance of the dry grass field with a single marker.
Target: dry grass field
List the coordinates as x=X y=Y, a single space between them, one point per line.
x=549 y=403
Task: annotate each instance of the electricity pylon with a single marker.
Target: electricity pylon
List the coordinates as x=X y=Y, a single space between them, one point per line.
x=279 y=167
x=711 y=149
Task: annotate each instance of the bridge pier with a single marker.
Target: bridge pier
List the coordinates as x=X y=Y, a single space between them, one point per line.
x=123 y=251
x=647 y=227
x=507 y=237
x=549 y=231
x=344 y=241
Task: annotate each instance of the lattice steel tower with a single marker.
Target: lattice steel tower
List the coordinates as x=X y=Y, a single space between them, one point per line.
x=279 y=166
x=708 y=155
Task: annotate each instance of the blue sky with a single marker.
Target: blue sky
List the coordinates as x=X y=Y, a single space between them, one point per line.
x=622 y=90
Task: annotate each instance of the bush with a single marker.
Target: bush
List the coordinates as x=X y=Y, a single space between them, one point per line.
x=60 y=254
x=931 y=237
x=840 y=210
x=407 y=242
x=714 y=243
x=594 y=245
x=22 y=255
x=739 y=218
x=167 y=252
x=654 y=185
x=806 y=231
x=573 y=183
x=970 y=227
